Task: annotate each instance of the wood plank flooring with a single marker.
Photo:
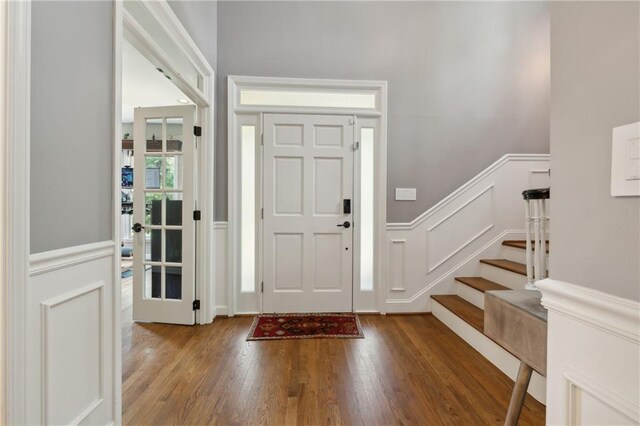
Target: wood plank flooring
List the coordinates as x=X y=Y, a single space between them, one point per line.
x=408 y=370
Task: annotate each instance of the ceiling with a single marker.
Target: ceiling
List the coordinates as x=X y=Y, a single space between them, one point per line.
x=143 y=85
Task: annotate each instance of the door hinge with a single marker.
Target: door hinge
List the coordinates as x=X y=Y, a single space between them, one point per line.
x=197 y=131
x=262 y=213
x=196 y=305
x=356 y=146
x=262 y=139
x=197 y=214
x=262 y=287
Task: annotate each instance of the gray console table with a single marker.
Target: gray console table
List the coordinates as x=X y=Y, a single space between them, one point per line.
x=517 y=321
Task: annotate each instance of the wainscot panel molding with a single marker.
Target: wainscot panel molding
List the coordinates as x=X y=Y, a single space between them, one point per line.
x=72 y=353
x=450 y=238
x=398 y=264
x=593 y=352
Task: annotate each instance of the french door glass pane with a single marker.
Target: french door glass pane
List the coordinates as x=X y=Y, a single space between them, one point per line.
x=173 y=280
x=174 y=208
x=153 y=134
x=173 y=249
x=153 y=172
x=174 y=134
x=173 y=172
x=153 y=245
x=153 y=208
x=152 y=282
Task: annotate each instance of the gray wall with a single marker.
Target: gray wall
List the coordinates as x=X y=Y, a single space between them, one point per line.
x=71 y=124
x=595 y=86
x=468 y=82
x=199 y=19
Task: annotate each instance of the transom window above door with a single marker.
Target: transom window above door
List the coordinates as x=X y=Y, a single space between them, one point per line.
x=265 y=97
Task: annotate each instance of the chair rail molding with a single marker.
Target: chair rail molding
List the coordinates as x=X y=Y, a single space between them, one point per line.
x=42 y=263
x=450 y=238
x=593 y=371
x=612 y=314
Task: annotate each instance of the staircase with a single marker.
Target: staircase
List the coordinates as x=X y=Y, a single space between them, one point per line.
x=463 y=312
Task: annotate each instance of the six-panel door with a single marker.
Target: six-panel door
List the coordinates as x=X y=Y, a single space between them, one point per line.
x=307 y=240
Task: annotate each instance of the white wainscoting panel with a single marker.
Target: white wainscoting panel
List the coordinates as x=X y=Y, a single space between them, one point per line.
x=73 y=356
x=451 y=237
x=72 y=352
x=460 y=228
x=593 y=356
x=397 y=264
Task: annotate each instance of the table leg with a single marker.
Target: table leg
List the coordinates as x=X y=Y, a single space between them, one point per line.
x=518 y=395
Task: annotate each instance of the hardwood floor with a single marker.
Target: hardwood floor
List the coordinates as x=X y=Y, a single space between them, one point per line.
x=408 y=369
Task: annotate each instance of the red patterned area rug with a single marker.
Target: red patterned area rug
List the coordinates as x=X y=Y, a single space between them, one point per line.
x=305 y=326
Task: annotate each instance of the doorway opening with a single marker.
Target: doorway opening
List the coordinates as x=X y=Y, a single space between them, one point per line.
x=166 y=187
x=152 y=193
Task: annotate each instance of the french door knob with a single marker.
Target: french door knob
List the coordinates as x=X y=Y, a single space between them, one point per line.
x=137 y=227
x=346 y=224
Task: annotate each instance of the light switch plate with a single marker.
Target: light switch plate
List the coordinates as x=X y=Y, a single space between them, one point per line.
x=625 y=161
x=405 y=194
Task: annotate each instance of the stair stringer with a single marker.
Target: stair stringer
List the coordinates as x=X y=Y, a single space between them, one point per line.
x=499 y=357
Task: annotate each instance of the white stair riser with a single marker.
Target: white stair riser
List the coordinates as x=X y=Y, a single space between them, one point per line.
x=502 y=359
x=501 y=276
x=470 y=294
x=516 y=254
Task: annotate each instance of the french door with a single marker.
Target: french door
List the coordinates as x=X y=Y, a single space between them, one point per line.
x=307 y=201
x=164 y=230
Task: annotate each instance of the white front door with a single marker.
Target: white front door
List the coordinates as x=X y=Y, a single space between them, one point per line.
x=164 y=243
x=308 y=202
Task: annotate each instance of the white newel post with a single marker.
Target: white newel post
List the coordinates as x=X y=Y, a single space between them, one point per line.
x=536 y=250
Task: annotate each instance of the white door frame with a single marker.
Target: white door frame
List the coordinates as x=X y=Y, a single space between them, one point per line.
x=15 y=59
x=239 y=114
x=15 y=199
x=205 y=101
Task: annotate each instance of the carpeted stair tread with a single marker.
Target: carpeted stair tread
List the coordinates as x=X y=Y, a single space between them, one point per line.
x=468 y=312
x=481 y=284
x=518 y=268
x=521 y=244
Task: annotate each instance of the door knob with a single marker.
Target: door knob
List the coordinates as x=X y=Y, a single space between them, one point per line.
x=346 y=224
x=137 y=227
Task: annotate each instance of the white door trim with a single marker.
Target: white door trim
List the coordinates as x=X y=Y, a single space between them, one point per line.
x=15 y=226
x=375 y=117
